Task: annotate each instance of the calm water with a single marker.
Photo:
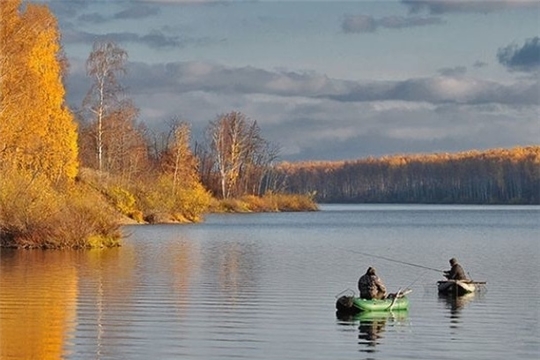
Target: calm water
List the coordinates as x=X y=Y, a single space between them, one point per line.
x=264 y=286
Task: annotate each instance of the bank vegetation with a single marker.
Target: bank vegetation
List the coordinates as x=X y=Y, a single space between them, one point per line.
x=69 y=178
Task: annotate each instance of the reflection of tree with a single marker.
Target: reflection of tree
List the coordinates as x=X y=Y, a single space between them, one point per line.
x=236 y=262
x=38 y=296
x=107 y=277
x=182 y=259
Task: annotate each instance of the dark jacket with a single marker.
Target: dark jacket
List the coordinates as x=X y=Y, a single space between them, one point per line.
x=371 y=287
x=455 y=273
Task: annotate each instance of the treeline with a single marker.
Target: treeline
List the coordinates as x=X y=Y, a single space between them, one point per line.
x=70 y=177
x=499 y=176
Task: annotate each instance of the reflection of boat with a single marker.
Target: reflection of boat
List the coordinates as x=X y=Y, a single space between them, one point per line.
x=456 y=303
x=369 y=316
x=372 y=325
x=457 y=287
x=353 y=304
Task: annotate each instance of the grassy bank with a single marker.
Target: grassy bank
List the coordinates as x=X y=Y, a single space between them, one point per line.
x=89 y=213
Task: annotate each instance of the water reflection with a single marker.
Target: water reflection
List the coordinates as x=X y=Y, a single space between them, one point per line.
x=38 y=295
x=456 y=304
x=372 y=326
x=182 y=259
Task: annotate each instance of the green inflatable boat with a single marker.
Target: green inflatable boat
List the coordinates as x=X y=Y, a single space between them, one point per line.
x=353 y=304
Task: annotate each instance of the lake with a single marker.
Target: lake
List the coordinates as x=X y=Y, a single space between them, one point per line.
x=264 y=286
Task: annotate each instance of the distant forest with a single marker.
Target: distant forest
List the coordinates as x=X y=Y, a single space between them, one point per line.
x=499 y=176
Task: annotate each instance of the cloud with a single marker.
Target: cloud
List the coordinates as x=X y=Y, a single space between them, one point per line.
x=444 y=90
x=466 y=6
x=525 y=58
x=367 y=24
x=182 y=77
x=312 y=116
x=138 y=11
x=93 y=18
x=68 y=9
x=155 y=39
x=453 y=72
x=479 y=64
x=201 y=76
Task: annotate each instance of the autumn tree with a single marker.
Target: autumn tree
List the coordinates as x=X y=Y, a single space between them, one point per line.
x=105 y=63
x=241 y=157
x=177 y=158
x=40 y=205
x=37 y=130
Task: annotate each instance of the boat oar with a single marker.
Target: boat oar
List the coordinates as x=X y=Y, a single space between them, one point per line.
x=399 y=295
x=394 y=299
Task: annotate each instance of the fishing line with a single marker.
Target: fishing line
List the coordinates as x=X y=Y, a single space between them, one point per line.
x=394 y=260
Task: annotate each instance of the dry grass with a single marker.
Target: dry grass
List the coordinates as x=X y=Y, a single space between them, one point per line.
x=266 y=203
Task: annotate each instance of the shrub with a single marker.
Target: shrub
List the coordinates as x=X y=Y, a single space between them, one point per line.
x=162 y=202
x=35 y=214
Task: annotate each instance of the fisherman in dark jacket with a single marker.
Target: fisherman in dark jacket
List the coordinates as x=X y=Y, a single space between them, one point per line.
x=456 y=272
x=371 y=286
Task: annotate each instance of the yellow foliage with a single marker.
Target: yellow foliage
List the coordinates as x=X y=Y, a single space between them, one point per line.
x=37 y=130
x=164 y=197
x=35 y=214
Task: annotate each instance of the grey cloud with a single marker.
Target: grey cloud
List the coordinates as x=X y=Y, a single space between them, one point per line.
x=366 y=24
x=479 y=64
x=359 y=24
x=398 y=22
x=344 y=119
x=184 y=77
x=155 y=39
x=199 y=76
x=453 y=72
x=441 y=90
x=525 y=58
x=461 y=6
x=137 y=11
x=94 y=18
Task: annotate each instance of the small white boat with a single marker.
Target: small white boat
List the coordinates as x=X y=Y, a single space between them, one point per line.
x=457 y=287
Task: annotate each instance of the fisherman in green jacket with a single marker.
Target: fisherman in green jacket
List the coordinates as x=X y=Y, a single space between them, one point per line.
x=371 y=286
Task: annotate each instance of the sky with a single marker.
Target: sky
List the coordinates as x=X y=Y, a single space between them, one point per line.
x=325 y=80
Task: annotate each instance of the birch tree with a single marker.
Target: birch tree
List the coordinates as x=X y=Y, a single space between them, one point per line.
x=241 y=156
x=106 y=61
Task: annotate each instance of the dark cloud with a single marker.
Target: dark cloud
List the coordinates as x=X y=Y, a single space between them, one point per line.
x=525 y=58
x=466 y=6
x=366 y=24
x=344 y=119
x=138 y=11
x=199 y=76
x=479 y=64
x=442 y=90
x=453 y=72
x=185 y=77
x=156 y=39
x=94 y=18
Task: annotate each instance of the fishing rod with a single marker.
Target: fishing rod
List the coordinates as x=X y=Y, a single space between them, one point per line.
x=396 y=261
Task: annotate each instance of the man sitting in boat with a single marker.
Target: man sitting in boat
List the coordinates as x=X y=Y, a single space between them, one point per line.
x=456 y=272
x=371 y=286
